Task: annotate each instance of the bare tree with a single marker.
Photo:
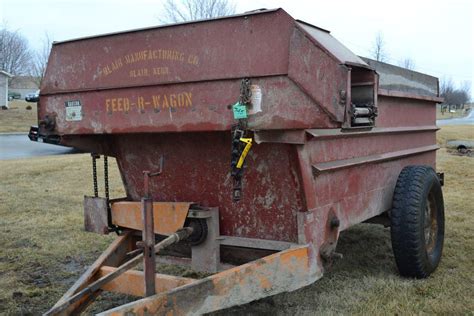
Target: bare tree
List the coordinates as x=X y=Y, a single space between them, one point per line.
x=175 y=11
x=40 y=60
x=15 y=55
x=407 y=63
x=379 y=52
x=453 y=96
x=446 y=86
x=466 y=87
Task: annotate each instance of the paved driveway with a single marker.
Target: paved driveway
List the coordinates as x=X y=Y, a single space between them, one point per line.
x=14 y=146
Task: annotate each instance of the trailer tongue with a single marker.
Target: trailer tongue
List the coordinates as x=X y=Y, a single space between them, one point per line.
x=261 y=137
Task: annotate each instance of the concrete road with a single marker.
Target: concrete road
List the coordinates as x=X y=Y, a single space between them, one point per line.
x=14 y=146
x=468 y=120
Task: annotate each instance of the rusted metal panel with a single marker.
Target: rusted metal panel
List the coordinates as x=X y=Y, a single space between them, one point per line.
x=397 y=112
x=318 y=75
x=337 y=133
x=356 y=181
x=174 y=54
x=354 y=162
x=281 y=272
x=197 y=168
x=169 y=217
x=335 y=149
x=184 y=108
x=131 y=282
x=355 y=194
x=98 y=85
x=285 y=136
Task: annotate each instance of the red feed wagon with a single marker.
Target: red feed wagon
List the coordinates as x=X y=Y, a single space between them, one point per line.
x=246 y=144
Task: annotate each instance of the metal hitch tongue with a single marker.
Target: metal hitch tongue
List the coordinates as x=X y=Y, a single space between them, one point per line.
x=95 y=286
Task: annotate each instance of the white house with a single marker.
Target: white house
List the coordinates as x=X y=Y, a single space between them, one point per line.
x=4 y=88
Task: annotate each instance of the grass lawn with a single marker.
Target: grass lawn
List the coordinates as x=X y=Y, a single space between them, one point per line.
x=17 y=119
x=44 y=248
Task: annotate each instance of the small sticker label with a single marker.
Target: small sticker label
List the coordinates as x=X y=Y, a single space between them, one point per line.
x=73 y=110
x=240 y=111
x=256 y=99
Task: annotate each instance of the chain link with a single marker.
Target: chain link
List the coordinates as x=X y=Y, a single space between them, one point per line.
x=245 y=92
x=106 y=177
x=94 y=174
x=106 y=185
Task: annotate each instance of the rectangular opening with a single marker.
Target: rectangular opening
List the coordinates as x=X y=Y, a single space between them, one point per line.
x=363 y=98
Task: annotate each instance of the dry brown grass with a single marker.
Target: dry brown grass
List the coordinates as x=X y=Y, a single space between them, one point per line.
x=44 y=248
x=454 y=132
x=17 y=119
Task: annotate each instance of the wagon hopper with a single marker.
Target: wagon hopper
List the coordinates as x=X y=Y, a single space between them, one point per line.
x=246 y=144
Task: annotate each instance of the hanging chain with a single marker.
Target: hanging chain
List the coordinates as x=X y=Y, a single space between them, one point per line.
x=94 y=174
x=106 y=178
x=245 y=92
x=106 y=186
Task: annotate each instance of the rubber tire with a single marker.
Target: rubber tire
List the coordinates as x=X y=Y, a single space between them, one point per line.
x=414 y=185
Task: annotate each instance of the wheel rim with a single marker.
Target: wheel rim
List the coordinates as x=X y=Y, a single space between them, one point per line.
x=431 y=223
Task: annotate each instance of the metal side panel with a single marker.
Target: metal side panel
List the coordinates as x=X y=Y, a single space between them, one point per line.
x=237 y=47
x=318 y=74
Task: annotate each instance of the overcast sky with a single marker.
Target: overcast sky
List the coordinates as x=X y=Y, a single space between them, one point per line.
x=438 y=35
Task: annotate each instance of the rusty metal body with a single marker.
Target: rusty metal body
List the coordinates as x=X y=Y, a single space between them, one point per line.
x=318 y=167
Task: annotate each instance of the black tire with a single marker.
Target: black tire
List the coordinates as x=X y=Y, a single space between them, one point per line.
x=417 y=221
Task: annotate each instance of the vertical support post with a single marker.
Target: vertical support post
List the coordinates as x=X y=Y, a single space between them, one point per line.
x=148 y=236
x=106 y=191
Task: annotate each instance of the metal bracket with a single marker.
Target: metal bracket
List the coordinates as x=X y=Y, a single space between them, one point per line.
x=441 y=178
x=328 y=248
x=206 y=256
